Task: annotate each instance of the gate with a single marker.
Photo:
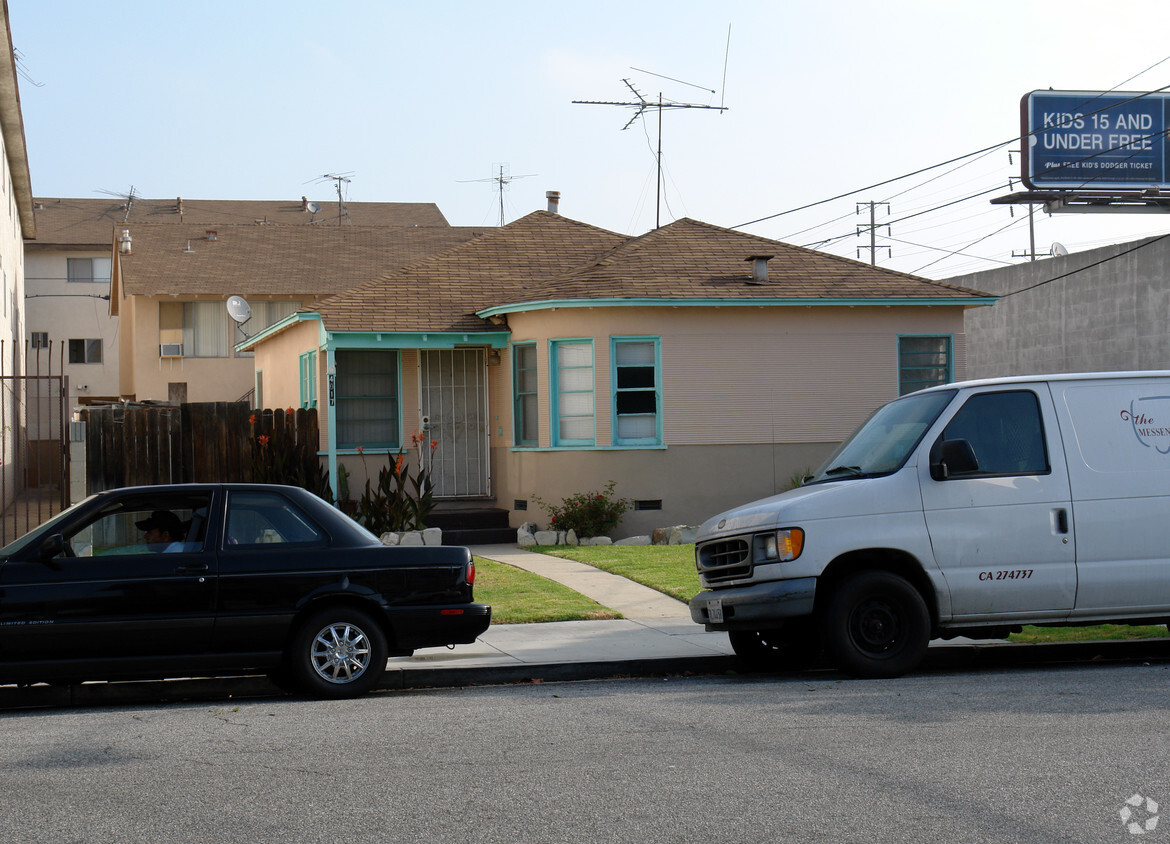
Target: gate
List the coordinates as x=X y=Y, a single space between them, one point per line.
x=34 y=449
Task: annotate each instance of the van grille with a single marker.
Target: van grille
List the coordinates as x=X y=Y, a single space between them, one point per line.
x=727 y=559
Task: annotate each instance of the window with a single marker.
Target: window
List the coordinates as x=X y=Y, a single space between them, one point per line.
x=525 y=415
x=636 y=388
x=85 y=351
x=88 y=270
x=1005 y=432
x=367 y=399
x=923 y=362
x=40 y=339
x=571 y=362
x=206 y=330
x=256 y=518
x=308 y=368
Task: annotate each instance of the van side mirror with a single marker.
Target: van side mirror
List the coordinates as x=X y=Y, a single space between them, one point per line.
x=952 y=457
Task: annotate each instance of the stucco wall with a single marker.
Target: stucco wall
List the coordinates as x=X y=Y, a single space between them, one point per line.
x=1110 y=316
x=71 y=311
x=750 y=397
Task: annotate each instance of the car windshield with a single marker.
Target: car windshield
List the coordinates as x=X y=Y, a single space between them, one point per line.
x=51 y=526
x=884 y=441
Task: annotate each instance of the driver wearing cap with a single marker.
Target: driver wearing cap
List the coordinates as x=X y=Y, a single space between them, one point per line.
x=163 y=531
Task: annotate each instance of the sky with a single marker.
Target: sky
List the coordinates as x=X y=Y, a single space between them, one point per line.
x=426 y=102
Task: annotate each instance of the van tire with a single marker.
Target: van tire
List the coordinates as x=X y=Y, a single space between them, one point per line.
x=876 y=625
x=790 y=648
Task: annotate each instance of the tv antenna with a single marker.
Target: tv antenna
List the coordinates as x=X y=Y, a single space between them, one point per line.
x=502 y=180
x=338 y=179
x=127 y=200
x=641 y=105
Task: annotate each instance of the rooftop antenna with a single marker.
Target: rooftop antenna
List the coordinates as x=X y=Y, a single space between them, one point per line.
x=502 y=180
x=641 y=105
x=338 y=179
x=127 y=200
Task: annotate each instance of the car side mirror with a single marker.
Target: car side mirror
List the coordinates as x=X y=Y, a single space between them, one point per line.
x=952 y=457
x=53 y=546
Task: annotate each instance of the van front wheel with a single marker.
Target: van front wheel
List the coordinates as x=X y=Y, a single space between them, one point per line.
x=876 y=625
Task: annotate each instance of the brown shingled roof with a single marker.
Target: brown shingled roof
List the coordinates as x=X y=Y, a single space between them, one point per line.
x=272 y=260
x=546 y=257
x=689 y=259
x=91 y=222
x=444 y=292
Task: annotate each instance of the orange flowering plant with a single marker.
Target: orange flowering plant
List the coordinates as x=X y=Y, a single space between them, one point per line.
x=400 y=499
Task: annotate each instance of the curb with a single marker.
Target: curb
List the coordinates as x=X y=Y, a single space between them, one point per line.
x=978 y=655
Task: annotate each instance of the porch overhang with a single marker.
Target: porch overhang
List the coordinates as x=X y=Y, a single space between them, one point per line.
x=415 y=339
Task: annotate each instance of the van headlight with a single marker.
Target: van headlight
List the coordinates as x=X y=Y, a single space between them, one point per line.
x=782 y=546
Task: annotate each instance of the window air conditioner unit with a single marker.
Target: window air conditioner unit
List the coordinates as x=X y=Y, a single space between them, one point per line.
x=170 y=350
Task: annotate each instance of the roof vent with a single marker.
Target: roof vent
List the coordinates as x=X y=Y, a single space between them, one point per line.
x=124 y=242
x=760 y=268
x=554 y=201
x=212 y=235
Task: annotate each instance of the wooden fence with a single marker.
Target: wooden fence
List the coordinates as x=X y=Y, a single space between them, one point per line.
x=198 y=442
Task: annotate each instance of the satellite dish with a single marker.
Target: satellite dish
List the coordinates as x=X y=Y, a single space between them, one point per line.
x=313 y=207
x=239 y=309
x=1058 y=250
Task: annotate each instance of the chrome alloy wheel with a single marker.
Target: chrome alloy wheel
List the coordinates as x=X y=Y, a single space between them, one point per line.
x=340 y=653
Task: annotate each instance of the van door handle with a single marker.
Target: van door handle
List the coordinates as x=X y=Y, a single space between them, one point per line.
x=1061 y=520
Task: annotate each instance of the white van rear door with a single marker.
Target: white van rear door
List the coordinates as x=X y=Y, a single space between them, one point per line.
x=1002 y=534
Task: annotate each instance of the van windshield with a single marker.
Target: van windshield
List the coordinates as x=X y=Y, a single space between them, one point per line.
x=884 y=441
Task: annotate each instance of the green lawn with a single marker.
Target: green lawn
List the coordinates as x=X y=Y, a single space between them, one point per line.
x=668 y=568
x=521 y=597
x=1034 y=635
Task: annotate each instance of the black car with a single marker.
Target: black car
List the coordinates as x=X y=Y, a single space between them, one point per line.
x=214 y=579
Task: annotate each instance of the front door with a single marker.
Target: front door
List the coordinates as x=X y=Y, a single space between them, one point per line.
x=453 y=390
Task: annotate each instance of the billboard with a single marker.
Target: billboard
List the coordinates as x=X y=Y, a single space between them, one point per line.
x=1087 y=140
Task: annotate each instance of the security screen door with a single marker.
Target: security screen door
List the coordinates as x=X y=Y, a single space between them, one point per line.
x=453 y=390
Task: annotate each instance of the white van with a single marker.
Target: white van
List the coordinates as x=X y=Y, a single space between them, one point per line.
x=963 y=510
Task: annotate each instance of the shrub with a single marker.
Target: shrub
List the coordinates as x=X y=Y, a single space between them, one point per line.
x=593 y=513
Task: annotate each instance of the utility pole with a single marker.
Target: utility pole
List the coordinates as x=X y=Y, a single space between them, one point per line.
x=872 y=229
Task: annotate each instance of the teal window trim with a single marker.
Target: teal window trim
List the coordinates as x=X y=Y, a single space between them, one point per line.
x=915 y=369
x=308 y=373
x=524 y=395
x=346 y=437
x=631 y=388
x=559 y=391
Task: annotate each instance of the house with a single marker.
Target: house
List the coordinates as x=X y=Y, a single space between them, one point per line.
x=696 y=367
x=170 y=283
x=1094 y=311
x=69 y=265
x=17 y=222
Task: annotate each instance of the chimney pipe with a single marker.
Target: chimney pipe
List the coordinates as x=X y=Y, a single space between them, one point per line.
x=304 y=203
x=124 y=242
x=554 y=200
x=759 y=268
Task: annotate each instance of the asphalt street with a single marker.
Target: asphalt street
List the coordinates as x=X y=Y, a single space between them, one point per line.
x=1051 y=754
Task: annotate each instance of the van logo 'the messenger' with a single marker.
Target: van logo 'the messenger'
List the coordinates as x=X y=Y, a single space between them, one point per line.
x=1145 y=425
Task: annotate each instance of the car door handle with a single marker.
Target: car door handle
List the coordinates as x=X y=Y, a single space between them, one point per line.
x=191 y=568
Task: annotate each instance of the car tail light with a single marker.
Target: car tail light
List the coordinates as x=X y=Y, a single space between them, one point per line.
x=470 y=573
